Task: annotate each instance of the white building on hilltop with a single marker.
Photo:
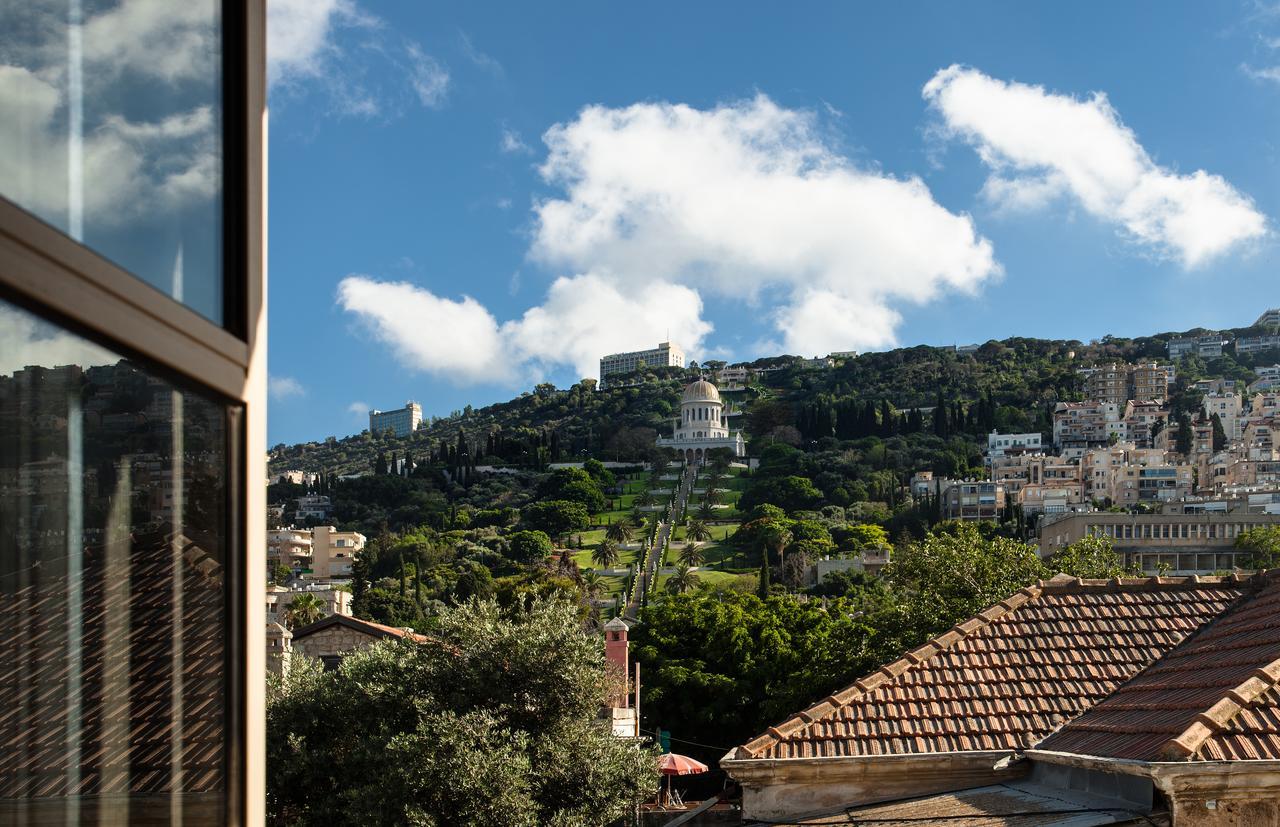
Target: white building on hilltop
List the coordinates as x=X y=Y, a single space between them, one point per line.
x=402 y=421
x=665 y=355
x=701 y=426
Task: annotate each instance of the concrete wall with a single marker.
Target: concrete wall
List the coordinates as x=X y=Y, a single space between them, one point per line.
x=336 y=640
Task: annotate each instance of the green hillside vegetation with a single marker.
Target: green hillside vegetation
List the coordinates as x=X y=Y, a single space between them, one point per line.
x=733 y=636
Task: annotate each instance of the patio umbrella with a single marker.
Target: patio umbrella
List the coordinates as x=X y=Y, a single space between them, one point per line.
x=670 y=764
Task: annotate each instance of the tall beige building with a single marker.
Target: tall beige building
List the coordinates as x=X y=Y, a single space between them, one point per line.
x=665 y=355
x=1118 y=384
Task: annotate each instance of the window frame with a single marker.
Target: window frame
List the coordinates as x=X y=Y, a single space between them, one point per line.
x=48 y=273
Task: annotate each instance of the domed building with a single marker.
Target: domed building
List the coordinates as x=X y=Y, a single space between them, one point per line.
x=701 y=426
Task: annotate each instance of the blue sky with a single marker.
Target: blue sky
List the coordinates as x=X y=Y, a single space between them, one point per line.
x=468 y=198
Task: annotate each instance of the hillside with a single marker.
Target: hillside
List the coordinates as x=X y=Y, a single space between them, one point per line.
x=1012 y=381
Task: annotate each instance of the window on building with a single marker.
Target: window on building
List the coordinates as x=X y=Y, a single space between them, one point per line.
x=130 y=302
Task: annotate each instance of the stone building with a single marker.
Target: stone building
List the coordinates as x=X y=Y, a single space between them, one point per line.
x=702 y=426
x=332 y=638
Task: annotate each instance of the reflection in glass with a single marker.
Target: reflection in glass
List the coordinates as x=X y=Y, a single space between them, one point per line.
x=112 y=601
x=110 y=130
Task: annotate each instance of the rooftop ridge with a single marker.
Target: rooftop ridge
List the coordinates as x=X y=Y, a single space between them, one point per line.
x=915 y=657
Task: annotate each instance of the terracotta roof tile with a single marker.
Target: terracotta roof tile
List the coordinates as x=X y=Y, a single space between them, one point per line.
x=1213 y=697
x=1012 y=675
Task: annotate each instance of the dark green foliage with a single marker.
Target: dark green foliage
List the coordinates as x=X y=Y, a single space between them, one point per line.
x=530 y=546
x=556 y=517
x=490 y=722
x=1263 y=544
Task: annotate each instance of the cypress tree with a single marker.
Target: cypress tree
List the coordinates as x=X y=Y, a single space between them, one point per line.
x=762 y=591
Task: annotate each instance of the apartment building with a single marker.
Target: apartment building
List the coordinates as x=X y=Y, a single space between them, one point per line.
x=133 y=409
x=998 y=444
x=401 y=421
x=1142 y=421
x=313 y=507
x=1208 y=346
x=1228 y=407
x=1176 y=543
x=1079 y=426
x=971 y=501
x=1120 y=383
x=1124 y=474
x=734 y=376
x=1257 y=344
x=320 y=554
x=1269 y=318
x=665 y=355
x=1040 y=483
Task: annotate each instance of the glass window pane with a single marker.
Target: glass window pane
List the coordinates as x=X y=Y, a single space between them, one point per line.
x=110 y=130
x=113 y=610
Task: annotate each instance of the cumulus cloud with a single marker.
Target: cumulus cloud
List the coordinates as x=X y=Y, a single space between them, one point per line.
x=582 y=318
x=748 y=196
x=358 y=409
x=284 y=387
x=1041 y=146
x=663 y=203
x=27 y=340
x=303 y=54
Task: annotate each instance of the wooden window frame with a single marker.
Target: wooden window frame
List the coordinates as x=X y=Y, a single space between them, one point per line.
x=44 y=270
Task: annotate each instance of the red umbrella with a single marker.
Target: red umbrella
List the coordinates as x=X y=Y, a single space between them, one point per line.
x=670 y=764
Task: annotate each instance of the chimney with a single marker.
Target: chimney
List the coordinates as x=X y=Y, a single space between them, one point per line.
x=617 y=661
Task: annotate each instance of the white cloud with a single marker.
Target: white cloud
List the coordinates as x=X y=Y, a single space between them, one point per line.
x=512 y=143
x=430 y=80
x=663 y=202
x=26 y=340
x=284 y=387
x=1042 y=146
x=358 y=409
x=135 y=166
x=749 y=196
x=303 y=53
x=582 y=318
x=459 y=339
x=479 y=58
x=1271 y=74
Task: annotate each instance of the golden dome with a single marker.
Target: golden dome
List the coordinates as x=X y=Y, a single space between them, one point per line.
x=700 y=391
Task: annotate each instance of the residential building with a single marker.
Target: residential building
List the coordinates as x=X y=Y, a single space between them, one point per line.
x=969 y=500
x=921 y=484
x=1134 y=701
x=336 y=601
x=998 y=445
x=733 y=376
x=1039 y=483
x=318 y=554
x=1269 y=318
x=1179 y=543
x=1268 y=372
x=1208 y=346
x=818 y=363
x=313 y=507
x=331 y=639
x=334 y=552
x=665 y=355
x=1123 y=474
x=1120 y=383
x=401 y=421
x=701 y=426
x=1228 y=407
x=1257 y=344
x=1143 y=420
x=133 y=408
x=1078 y=426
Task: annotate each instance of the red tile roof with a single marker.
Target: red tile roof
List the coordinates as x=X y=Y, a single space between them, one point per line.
x=1212 y=698
x=378 y=630
x=1010 y=676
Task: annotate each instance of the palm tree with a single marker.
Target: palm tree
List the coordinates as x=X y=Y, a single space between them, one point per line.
x=645 y=498
x=638 y=519
x=592 y=584
x=303 y=609
x=605 y=555
x=712 y=496
x=619 y=532
x=697 y=530
x=775 y=537
x=706 y=511
x=691 y=555
x=682 y=580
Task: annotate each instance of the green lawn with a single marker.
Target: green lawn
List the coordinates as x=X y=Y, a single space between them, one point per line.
x=704 y=576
